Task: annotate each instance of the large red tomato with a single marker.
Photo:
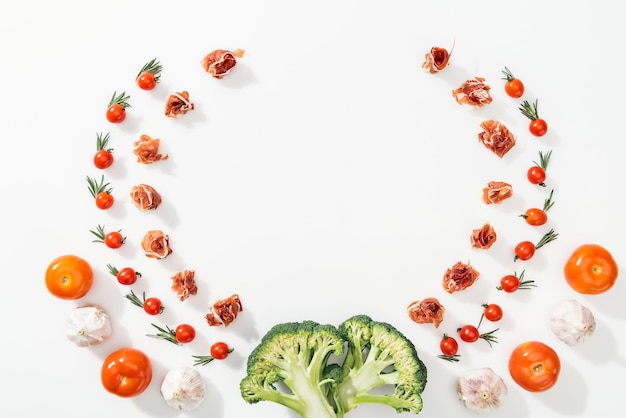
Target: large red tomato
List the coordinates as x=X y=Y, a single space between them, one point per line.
x=534 y=366
x=591 y=269
x=69 y=277
x=126 y=372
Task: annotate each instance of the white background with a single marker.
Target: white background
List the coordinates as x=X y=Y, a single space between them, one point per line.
x=327 y=175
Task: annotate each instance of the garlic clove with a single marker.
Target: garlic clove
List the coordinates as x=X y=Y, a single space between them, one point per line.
x=481 y=390
x=88 y=325
x=183 y=388
x=572 y=322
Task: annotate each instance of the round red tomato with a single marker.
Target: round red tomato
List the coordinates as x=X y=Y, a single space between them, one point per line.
x=535 y=217
x=126 y=372
x=114 y=239
x=534 y=366
x=103 y=159
x=448 y=345
x=524 y=250
x=185 y=333
x=492 y=312
x=127 y=276
x=146 y=81
x=538 y=127
x=153 y=306
x=536 y=175
x=591 y=269
x=104 y=200
x=220 y=350
x=469 y=333
x=514 y=88
x=116 y=113
x=69 y=277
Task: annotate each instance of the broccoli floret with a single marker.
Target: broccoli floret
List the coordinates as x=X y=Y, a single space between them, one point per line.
x=292 y=366
x=379 y=355
x=295 y=354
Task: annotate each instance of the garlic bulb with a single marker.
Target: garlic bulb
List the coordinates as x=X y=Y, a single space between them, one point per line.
x=183 y=388
x=481 y=390
x=572 y=322
x=88 y=325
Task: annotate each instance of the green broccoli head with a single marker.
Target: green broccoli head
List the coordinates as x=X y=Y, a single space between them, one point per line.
x=295 y=355
x=379 y=356
x=292 y=366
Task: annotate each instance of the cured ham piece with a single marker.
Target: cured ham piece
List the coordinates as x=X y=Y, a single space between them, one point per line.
x=220 y=62
x=459 y=277
x=473 y=92
x=426 y=311
x=496 y=137
x=224 y=311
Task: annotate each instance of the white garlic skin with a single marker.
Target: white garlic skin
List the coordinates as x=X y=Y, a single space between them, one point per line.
x=183 y=388
x=88 y=325
x=572 y=322
x=481 y=390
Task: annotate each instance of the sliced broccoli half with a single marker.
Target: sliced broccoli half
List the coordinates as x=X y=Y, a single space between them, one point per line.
x=295 y=354
x=292 y=366
x=378 y=355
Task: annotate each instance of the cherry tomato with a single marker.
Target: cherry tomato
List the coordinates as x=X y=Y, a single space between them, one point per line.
x=69 y=277
x=591 y=269
x=153 y=306
x=534 y=366
x=448 y=345
x=114 y=239
x=469 y=333
x=103 y=159
x=513 y=86
x=535 y=217
x=104 y=200
x=127 y=276
x=538 y=127
x=492 y=312
x=185 y=333
x=116 y=113
x=536 y=175
x=510 y=283
x=146 y=81
x=104 y=156
x=524 y=250
x=220 y=350
x=126 y=372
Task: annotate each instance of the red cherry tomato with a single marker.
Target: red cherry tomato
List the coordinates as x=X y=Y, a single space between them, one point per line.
x=536 y=175
x=524 y=250
x=104 y=200
x=538 y=127
x=220 y=350
x=103 y=159
x=116 y=113
x=127 y=276
x=469 y=333
x=146 y=81
x=114 y=239
x=492 y=312
x=185 y=333
x=153 y=306
x=448 y=346
x=535 y=217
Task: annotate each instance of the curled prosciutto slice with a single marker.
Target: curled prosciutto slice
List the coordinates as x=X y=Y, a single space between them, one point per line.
x=224 y=311
x=436 y=59
x=426 y=311
x=496 y=192
x=147 y=150
x=184 y=284
x=145 y=197
x=484 y=237
x=473 y=92
x=459 y=277
x=178 y=104
x=220 y=62
x=156 y=244
x=496 y=137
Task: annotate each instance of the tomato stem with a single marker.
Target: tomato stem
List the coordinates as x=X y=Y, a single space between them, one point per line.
x=102 y=142
x=544 y=159
x=120 y=99
x=99 y=233
x=450 y=358
x=134 y=299
x=548 y=237
x=547 y=204
x=489 y=337
x=508 y=76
